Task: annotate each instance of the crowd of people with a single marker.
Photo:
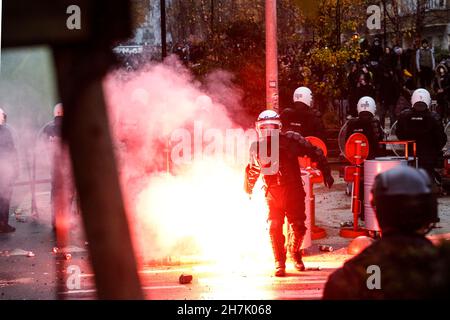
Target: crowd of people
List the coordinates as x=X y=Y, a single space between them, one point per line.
x=387 y=74
x=390 y=76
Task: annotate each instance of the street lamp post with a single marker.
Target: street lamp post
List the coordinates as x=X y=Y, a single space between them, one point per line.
x=271 y=55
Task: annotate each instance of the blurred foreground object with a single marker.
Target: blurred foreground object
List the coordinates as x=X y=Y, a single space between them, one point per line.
x=404 y=264
x=82 y=57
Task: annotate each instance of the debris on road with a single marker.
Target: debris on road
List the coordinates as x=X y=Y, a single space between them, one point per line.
x=313 y=269
x=68 y=249
x=17 y=252
x=185 y=278
x=4 y=253
x=325 y=248
x=346 y=224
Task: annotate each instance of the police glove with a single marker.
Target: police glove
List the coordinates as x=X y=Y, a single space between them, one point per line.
x=328 y=181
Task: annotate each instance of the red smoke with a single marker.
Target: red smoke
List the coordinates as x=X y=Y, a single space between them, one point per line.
x=195 y=209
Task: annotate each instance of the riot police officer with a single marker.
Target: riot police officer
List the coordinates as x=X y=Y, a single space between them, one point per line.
x=275 y=157
x=9 y=169
x=53 y=130
x=367 y=124
x=423 y=126
x=399 y=265
x=302 y=118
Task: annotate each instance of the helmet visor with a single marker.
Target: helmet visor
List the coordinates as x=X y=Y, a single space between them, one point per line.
x=269 y=126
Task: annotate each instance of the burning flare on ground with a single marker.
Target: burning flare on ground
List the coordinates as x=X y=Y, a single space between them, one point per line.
x=204 y=211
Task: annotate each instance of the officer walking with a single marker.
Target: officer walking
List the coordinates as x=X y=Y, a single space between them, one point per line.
x=275 y=157
x=423 y=126
x=302 y=118
x=8 y=172
x=401 y=263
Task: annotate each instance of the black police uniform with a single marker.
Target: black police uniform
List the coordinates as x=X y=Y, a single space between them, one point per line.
x=53 y=129
x=303 y=120
x=426 y=129
x=8 y=172
x=369 y=126
x=285 y=194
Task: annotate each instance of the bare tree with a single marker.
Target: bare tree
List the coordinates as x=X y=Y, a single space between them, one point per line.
x=408 y=19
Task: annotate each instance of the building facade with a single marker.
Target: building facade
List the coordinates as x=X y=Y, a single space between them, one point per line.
x=407 y=22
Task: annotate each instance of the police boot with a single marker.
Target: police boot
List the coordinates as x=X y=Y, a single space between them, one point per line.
x=298 y=262
x=280 y=269
x=279 y=251
x=279 y=254
x=296 y=240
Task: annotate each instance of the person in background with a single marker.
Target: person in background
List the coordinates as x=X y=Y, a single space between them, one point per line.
x=425 y=128
x=364 y=88
x=389 y=93
x=302 y=117
x=53 y=130
x=367 y=124
x=425 y=64
x=442 y=89
x=9 y=170
x=375 y=51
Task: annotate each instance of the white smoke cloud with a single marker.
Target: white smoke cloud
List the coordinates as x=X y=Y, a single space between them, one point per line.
x=195 y=205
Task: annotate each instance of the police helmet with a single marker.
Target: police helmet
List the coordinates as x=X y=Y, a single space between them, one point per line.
x=268 y=119
x=303 y=94
x=367 y=104
x=58 y=110
x=421 y=97
x=403 y=200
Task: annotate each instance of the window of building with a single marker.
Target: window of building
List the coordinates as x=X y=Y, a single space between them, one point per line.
x=435 y=4
x=410 y=6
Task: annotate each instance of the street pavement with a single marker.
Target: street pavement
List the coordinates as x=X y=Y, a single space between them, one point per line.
x=44 y=274
x=40 y=276
x=31 y=270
